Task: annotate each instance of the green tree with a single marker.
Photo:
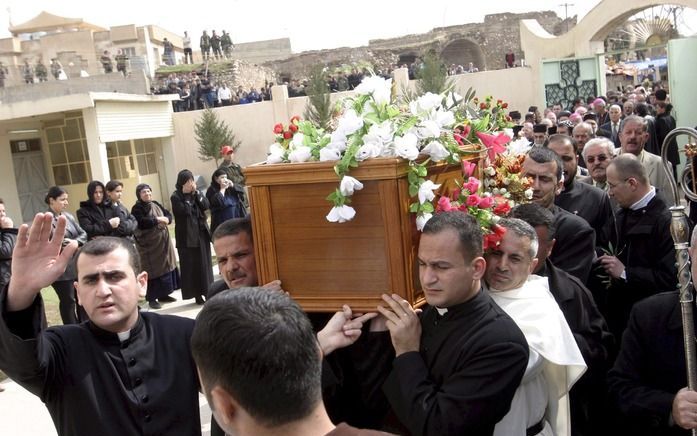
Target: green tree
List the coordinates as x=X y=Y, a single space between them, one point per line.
x=211 y=134
x=433 y=75
x=318 y=108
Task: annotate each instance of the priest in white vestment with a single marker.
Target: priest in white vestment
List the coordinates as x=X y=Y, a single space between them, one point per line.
x=540 y=405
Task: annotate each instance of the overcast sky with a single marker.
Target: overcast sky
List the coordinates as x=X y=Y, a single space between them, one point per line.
x=309 y=25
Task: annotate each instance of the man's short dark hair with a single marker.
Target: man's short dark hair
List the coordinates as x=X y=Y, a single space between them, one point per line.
x=536 y=216
x=545 y=155
x=113 y=184
x=468 y=230
x=233 y=227
x=564 y=139
x=260 y=347
x=107 y=244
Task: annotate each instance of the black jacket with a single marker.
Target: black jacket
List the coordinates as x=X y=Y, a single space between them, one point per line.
x=93 y=219
x=574 y=250
x=650 y=368
x=8 y=237
x=127 y=224
x=190 y=218
x=590 y=203
x=645 y=247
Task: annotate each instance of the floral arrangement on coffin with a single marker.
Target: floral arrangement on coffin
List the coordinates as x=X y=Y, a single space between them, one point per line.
x=431 y=128
x=488 y=207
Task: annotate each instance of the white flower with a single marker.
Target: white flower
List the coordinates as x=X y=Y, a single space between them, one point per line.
x=379 y=133
x=405 y=146
x=429 y=101
x=297 y=141
x=338 y=141
x=379 y=87
x=329 y=153
x=426 y=191
x=422 y=219
x=349 y=123
x=528 y=193
x=341 y=214
x=276 y=153
x=444 y=118
x=348 y=185
x=436 y=150
x=490 y=171
x=428 y=129
x=367 y=151
x=495 y=219
x=300 y=154
x=503 y=190
x=519 y=146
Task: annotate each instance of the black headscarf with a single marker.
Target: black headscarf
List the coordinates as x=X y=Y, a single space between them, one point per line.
x=140 y=188
x=91 y=187
x=183 y=177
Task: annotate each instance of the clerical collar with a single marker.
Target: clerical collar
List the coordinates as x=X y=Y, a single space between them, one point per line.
x=441 y=312
x=124 y=336
x=644 y=200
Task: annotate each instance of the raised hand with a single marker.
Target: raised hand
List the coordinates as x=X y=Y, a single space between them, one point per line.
x=403 y=323
x=342 y=330
x=37 y=259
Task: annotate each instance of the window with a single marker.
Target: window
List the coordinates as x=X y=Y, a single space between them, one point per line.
x=134 y=158
x=129 y=51
x=67 y=148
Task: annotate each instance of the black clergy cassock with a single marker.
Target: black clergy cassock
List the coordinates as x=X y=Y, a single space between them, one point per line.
x=594 y=340
x=574 y=250
x=94 y=384
x=462 y=381
x=590 y=203
x=650 y=368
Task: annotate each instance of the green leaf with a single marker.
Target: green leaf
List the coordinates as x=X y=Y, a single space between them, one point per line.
x=414 y=207
x=421 y=171
x=413 y=190
x=427 y=207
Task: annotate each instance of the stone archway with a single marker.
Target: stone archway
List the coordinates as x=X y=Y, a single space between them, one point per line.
x=462 y=51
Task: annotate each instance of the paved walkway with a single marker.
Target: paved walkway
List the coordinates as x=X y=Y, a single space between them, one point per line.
x=23 y=414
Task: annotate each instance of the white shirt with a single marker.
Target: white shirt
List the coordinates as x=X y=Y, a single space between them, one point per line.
x=224 y=93
x=555 y=362
x=186 y=42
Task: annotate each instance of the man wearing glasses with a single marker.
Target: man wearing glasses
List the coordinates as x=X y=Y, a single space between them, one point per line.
x=597 y=154
x=643 y=262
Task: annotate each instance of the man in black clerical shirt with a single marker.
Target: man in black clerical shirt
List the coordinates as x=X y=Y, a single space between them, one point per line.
x=122 y=372
x=575 y=248
x=459 y=362
x=590 y=203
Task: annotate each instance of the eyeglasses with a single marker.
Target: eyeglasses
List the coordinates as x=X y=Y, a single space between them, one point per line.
x=600 y=158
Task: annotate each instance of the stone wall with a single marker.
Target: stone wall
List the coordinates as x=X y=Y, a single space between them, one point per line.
x=485 y=44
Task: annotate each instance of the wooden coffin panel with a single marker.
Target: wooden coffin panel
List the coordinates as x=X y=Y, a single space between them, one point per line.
x=324 y=265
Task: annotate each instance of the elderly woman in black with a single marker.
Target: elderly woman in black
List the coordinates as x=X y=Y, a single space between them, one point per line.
x=57 y=200
x=193 y=237
x=157 y=255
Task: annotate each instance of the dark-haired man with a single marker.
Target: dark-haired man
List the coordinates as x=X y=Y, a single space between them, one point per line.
x=459 y=362
x=575 y=237
x=260 y=366
x=587 y=201
x=123 y=372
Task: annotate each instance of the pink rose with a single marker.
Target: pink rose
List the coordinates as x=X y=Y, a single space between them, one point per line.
x=444 y=205
x=472 y=185
x=486 y=202
x=473 y=200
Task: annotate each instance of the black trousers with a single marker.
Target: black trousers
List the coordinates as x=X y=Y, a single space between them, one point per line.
x=67 y=306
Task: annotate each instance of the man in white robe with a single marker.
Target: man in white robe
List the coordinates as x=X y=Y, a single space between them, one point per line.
x=540 y=405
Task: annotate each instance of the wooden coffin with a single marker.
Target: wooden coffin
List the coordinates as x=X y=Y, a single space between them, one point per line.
x=324 y=265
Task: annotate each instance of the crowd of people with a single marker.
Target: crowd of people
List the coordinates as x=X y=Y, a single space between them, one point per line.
x=569 y=326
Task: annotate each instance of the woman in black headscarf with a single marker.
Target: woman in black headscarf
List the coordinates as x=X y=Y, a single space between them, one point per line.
x=224 y=198
x=157 y=255
x=193 y=237
x=92 y=214
x=57 y=201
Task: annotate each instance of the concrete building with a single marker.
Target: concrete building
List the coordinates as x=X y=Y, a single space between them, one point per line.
x=78 y=46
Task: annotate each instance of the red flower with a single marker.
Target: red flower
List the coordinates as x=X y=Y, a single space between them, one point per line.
x=499 y=101
x=502 y=207
x=504 y=105
x=444 y=205
x=486 y=202
x=482 y=105
x=494 y=144
x=498 y=230
x=455 y=194
x=472 y=185
x=473 y=200
x=278 y=128
x=466 y=130
x=287 y=134
x=491 y=240
x=295 y=119
x=293 y=128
